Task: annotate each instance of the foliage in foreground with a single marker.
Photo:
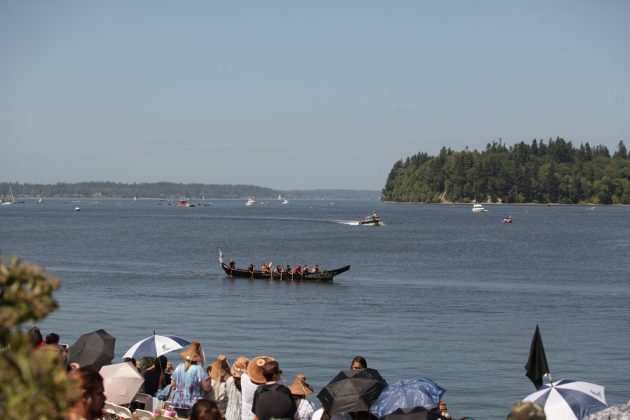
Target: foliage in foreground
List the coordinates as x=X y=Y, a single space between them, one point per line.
x=33 y=382
x=552 y=172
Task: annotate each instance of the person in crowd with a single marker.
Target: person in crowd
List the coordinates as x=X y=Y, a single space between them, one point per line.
x=526 y=411
x=219 y=372
x=189 y=381
x=358 y=362
x=233 y=389
x=154 y=376
x=264 y=267
x=250 y=381
x=92 y=400
x=133 y=362
x=35 y=336
x=300 y=390
x=272 y=400
x=442 y=409
x=52 y=339
x=169 y=368
x=204 y=409
x=297 y=271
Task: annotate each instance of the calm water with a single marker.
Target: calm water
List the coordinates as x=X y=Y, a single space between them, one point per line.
x=437 y=291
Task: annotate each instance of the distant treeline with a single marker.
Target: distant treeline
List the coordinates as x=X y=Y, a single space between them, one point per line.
x=552 y=172
x=169 y=190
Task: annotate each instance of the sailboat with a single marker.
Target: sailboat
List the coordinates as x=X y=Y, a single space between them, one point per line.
x=12 y=201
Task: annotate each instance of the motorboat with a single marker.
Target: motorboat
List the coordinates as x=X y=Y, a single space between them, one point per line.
x=507 y=219
x=373 y=220
x=250 y=202
x=478 y=208
x=285 y=201
x=184 y=203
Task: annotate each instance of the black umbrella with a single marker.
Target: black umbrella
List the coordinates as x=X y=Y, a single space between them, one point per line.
x=416 y=413
x=352 y=390
x=93 y=350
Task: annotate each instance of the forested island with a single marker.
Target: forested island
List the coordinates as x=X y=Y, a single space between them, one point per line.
x=171 y=190
x=551 y=172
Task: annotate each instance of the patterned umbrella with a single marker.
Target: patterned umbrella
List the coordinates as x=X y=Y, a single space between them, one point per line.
x=156 y=345
x=407 y=394
x=617 y=412
x=122 y=382
x=569 y=400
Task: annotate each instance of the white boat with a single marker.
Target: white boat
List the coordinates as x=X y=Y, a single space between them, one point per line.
x=285 y=201
x=478 y=208
x=12 y=201
x=250 y=202
x=77 y=208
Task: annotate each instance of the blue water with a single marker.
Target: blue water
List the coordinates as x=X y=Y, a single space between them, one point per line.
x=437 y=291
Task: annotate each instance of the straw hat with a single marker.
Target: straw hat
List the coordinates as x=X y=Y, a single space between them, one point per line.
x=239 y=367
x=255 y=368
x=220 y=368
x=301 y=387
x=193 y=353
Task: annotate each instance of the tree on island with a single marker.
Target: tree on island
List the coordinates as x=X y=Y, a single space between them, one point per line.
x=541 y=172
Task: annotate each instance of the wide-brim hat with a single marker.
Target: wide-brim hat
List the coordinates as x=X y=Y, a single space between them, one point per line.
x=193 y=353
x=255 y=368
x=239 y=367
x=301 y=387
x=220 y=368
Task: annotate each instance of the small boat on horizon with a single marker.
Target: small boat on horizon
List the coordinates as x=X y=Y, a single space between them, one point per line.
x=9 y=202
x=250 y=202
x=478 y=208
x=184 y=203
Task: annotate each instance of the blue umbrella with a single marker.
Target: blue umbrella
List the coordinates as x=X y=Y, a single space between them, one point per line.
x=156 y=345
x=569 y=400
x=408 y=394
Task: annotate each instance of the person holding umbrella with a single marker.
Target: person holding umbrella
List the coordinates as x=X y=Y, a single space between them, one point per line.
x=358 y=363
x=189 y=381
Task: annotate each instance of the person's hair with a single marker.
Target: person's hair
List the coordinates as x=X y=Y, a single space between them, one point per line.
x=359 y=359
x=160 y=362
x=52 y=338
x=88 y=379
x=270 y=369
x=237 y=382
x=205 y=410
x=35 y=335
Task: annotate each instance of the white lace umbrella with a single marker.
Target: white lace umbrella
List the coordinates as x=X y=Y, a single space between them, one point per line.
x=122 y=382
x=569 y=400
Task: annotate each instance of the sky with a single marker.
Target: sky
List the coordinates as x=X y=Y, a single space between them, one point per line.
x=298 y=94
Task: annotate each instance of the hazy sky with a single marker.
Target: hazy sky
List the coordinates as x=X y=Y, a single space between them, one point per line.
x=298 y=94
